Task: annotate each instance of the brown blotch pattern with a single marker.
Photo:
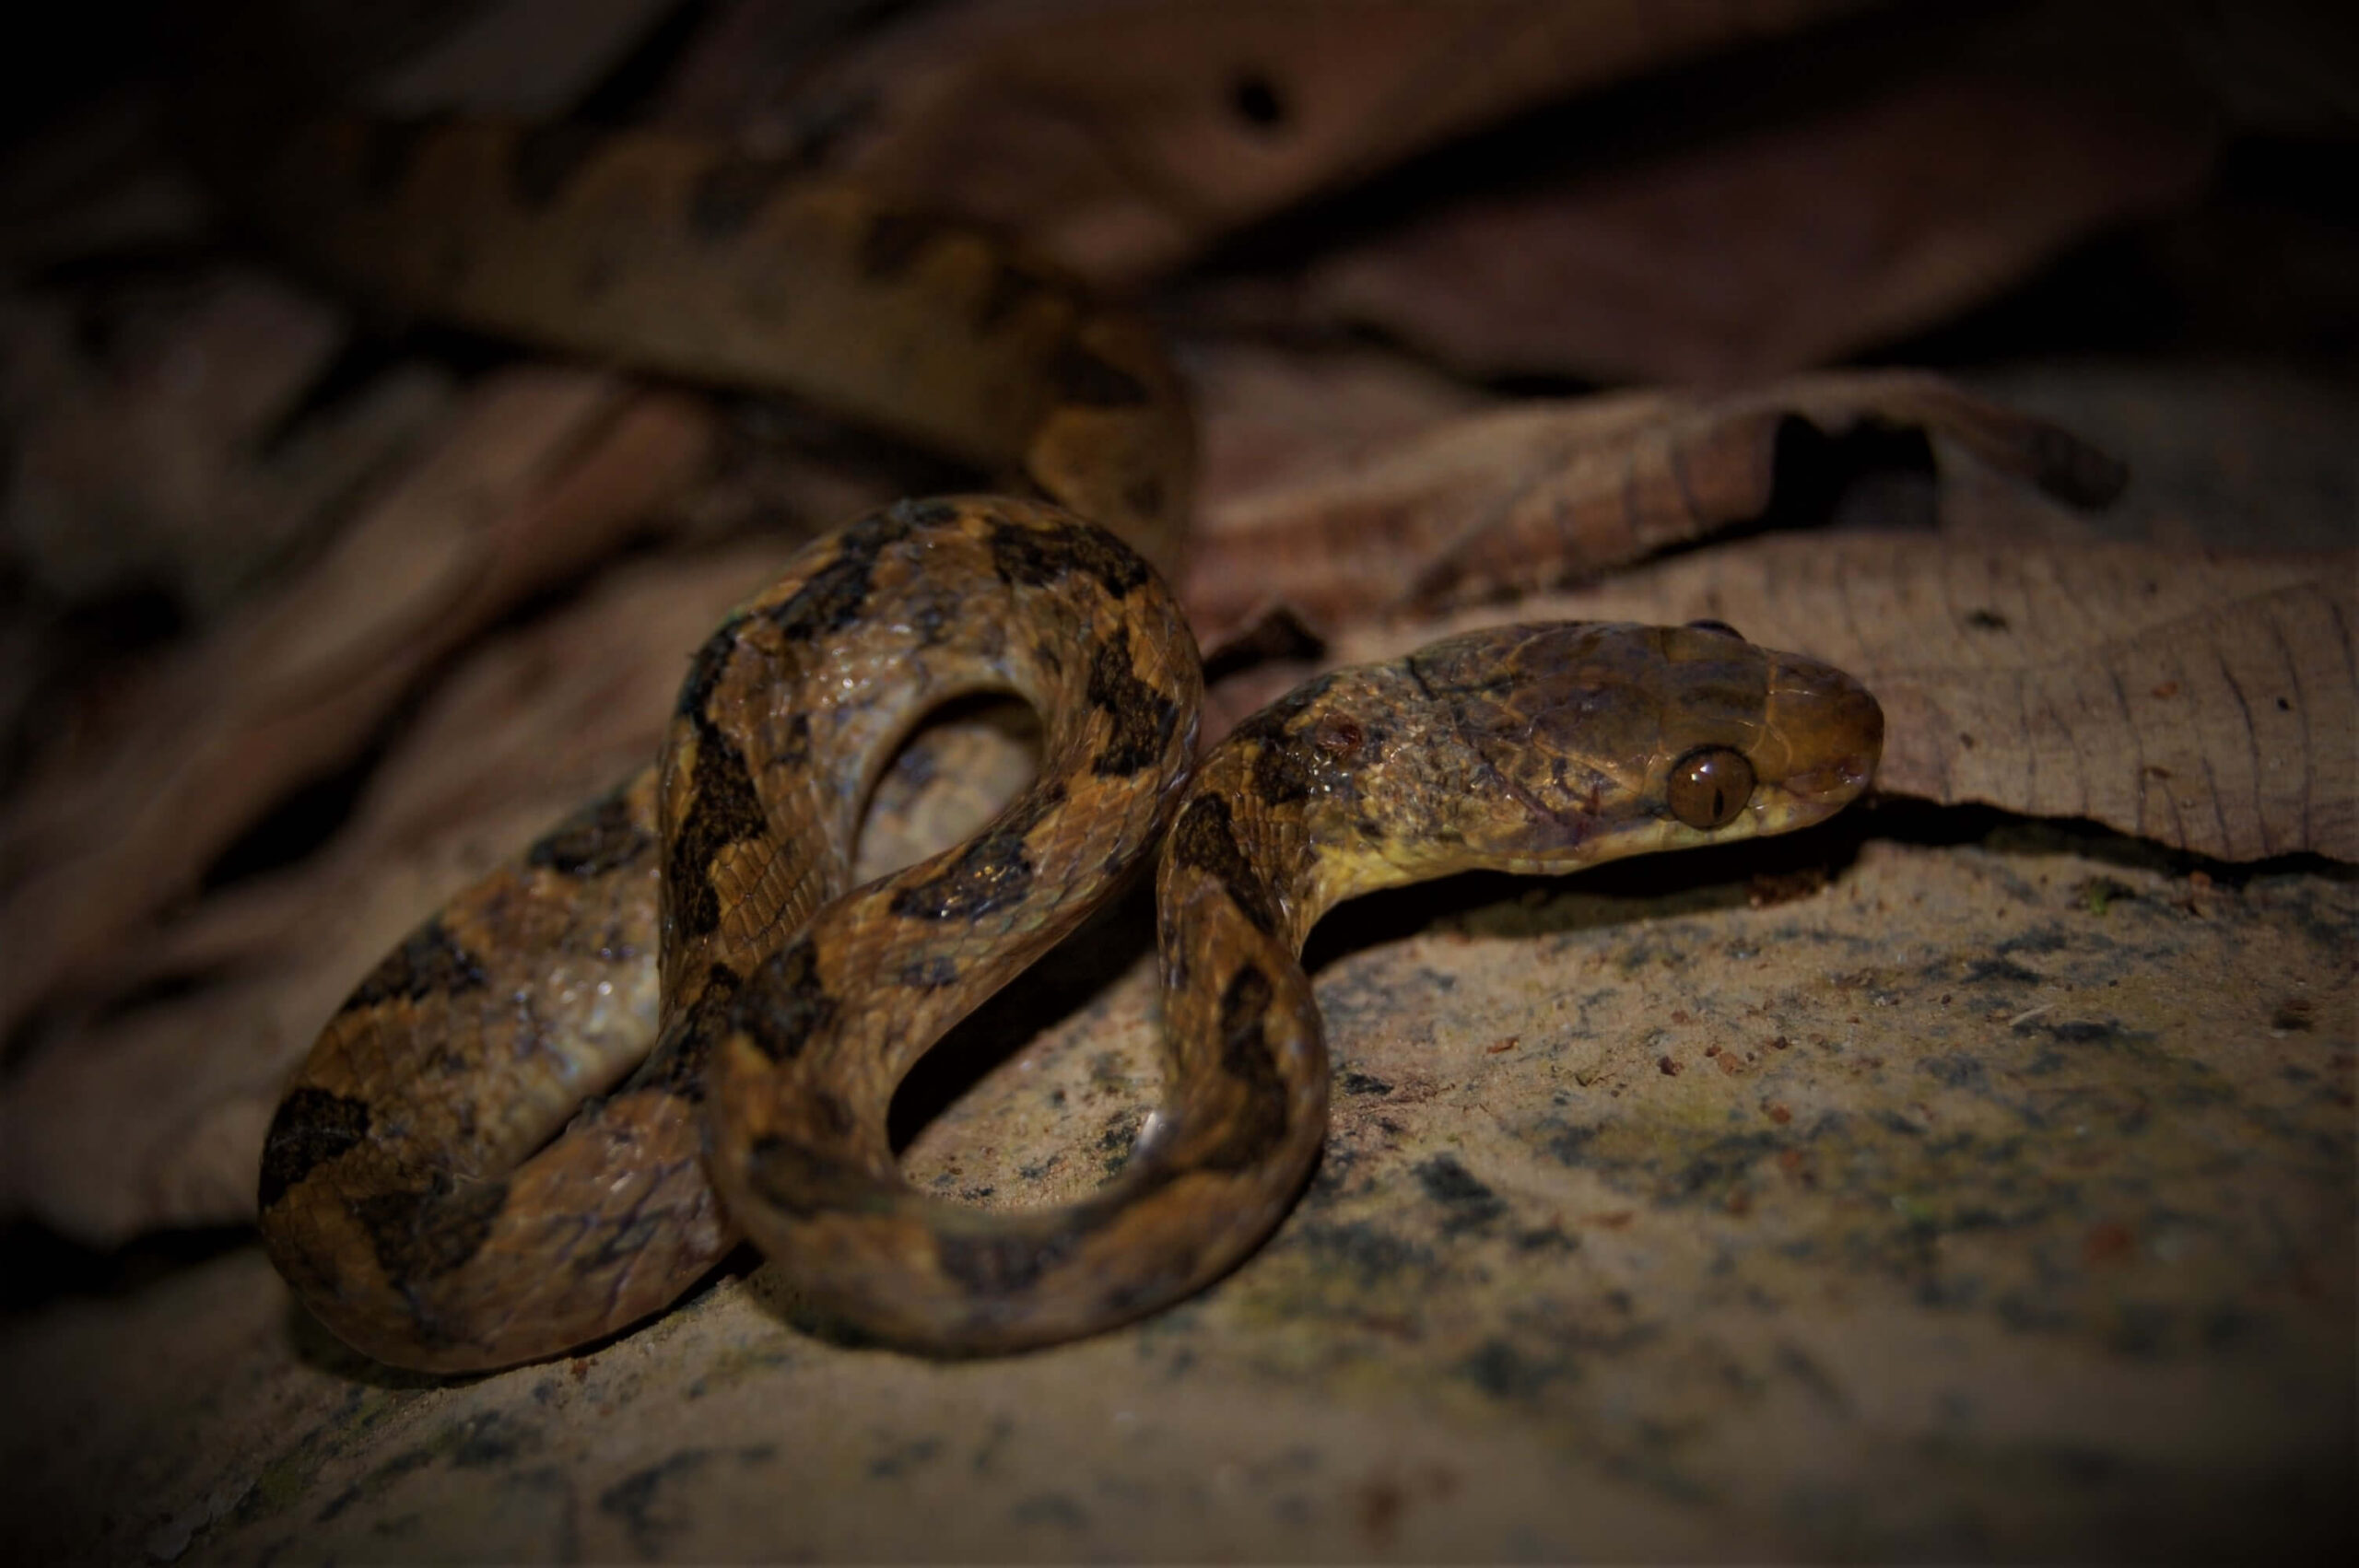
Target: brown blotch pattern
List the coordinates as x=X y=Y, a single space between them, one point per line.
x=312 y=1127
x=784 y=1002
x=1205 y=839
x=991 y=873
x=1123 y=1300
x=724 y=810
x=430 y=961
x=1036 y=557
x=1284 y=770
x=1000 y=1265
x=833 y=597
x=835 y=1112
x=1142 y=717
x=421 y=1236
x=706 y=666
x=791 y=1177
x=599 y=838
x=676 y=1065
x=1260 y=1126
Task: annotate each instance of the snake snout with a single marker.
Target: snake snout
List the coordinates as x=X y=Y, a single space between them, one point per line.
x=1833 y=731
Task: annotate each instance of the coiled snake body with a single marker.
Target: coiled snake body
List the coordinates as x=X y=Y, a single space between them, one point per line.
x=432 y=1183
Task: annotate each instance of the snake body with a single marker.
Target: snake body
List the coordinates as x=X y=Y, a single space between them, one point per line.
x=674 y=254
x=671 y=1021
x=1525 y=748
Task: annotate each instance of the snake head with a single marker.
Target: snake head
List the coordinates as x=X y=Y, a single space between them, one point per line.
x=1578 y=743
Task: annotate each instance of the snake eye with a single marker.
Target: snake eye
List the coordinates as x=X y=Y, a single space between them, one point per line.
x=1709 y=786
x=1720 y=627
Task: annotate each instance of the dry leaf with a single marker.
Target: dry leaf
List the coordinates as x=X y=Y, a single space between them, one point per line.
x=88 y=185
x=123 y=1128
x=1753 y=256
x=2207 y=702
x=531 y=724
x=1268 y=417
x=145 y=465
x=2227 y=456
x=543 y=472
x=1541 y=493
x=533 y=58
x=1121 y=139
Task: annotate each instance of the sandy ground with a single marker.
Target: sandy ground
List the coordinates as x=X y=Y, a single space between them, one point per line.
x=1994 y=1198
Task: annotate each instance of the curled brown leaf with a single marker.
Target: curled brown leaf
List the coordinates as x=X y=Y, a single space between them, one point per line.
x=1541 y=493
x=1790 y=246
x=541 y=472
x=1123 y=139
x=2206 y=703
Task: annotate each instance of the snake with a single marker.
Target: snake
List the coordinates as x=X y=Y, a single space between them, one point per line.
x=670 y=1023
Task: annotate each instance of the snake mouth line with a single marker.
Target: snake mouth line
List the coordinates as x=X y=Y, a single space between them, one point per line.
x=1822 y=792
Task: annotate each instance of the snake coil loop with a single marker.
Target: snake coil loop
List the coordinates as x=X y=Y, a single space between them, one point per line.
x=556 y=1104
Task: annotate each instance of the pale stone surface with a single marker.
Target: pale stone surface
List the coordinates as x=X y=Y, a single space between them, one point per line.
x=1996 y=1199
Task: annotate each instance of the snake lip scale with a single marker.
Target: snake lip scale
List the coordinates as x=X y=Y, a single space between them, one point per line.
x=671 y=1021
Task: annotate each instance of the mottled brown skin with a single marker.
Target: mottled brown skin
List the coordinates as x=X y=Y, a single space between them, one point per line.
x=499 y=1147
x=1536 y=749
x=422 y=1185
x=674 y=254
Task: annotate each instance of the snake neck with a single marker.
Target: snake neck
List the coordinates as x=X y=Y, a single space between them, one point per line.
x=1347 y=785
x=1243 y=878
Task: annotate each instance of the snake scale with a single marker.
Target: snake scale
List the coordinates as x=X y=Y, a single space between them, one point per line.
x=671 y=1021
